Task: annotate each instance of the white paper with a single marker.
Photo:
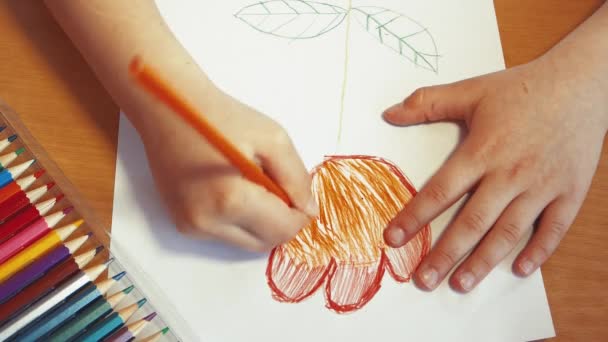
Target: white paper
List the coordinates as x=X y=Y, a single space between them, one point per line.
x=221 y=292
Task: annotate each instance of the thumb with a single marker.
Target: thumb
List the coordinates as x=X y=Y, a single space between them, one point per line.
x=453 y=101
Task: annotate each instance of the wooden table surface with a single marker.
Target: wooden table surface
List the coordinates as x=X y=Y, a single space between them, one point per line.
x=43 y=77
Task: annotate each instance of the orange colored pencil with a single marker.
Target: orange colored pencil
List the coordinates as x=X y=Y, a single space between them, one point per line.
x=154 y=84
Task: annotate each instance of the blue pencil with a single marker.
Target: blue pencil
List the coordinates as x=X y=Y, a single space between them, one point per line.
x=111 y=323
x=10 y=174
x=67 y=310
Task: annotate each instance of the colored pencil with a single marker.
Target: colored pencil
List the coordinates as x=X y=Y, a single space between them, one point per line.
x=151 y=81
x=41 y=287
x=20 y=184
x=157 y=336
x=71 y=307
x=7 y=159
x=58 y=296
x=2 y=128
x=111 y=323
x=20 y=200
x=26 y=217
x=39 y=267
x=10 y=174
x=19 y=256
x=4 y=143
x=96 y=311
x=129 y=332
x=31 y=234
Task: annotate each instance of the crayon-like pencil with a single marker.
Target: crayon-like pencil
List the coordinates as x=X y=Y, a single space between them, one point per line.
x=41 y=287
x=129 y=332
x=29 y=315
x=157 y=336
x=26 y=217
x=7 y=159
x=26 y=255
x=10 y=174
x=31 y=234
x=96 y=311
x=151 y=81
x=39 y=267
x=20 y=184
x=71 y=307
x=20 y=200
x=4 y=143
x=110 y=324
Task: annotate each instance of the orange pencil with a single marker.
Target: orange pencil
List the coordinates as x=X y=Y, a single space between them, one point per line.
x=154 y=84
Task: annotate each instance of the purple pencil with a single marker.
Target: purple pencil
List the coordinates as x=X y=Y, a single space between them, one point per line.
x=38 y=268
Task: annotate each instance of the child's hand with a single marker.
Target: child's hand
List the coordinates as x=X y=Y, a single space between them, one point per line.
x=208 y=197
x=535 y=137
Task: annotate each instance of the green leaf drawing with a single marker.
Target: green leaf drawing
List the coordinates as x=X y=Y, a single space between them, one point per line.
x=401 y=34
x=292 y=19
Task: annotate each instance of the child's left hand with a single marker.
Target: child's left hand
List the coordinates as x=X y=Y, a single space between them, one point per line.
x=535 y=137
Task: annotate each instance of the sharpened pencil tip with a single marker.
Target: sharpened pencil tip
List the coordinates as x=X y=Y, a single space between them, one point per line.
x=98 y=249
x=39 y=173
x=68 y=209
x=165 y=330
x=141 y=302
x=50 y=185
x=2 y=128
x=107 y=263
x=20 y=150
x=150 y=317
x=128 y=289
x=78 y=223
x=12 y=138
x=119 y=275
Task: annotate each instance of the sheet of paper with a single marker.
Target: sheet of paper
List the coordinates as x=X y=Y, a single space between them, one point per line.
x=308 y=64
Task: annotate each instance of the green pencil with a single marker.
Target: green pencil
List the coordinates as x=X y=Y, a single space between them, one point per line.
x=111 y=323
x=92 y=314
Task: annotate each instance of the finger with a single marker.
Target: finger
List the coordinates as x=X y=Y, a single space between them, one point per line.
x=510 y=228
x=471 y=224
x=450 y=183
x=554 y=223
x=263 y=215
x=282 y=163
x=443 y=102
x=233 y=235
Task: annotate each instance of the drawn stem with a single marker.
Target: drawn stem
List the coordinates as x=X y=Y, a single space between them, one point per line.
x=345 y=74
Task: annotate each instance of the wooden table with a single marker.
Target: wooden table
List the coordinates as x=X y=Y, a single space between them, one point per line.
x=43 y=77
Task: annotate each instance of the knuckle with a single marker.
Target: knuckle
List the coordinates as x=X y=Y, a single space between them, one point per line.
x=510 y=233
x=445 y=258
x=484 y=263
x=475 y=223
x=417 y=98
x=229 y=199
x=436 y=193
x=279 y=137
x=543 y=251
x=556 y=230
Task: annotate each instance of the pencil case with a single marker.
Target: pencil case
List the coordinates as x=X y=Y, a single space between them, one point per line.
x=62 y=278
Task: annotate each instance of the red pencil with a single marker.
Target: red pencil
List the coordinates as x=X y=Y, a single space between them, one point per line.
x=19 y=185
x=26 y=217
x=30 y=234
x=20 y=200
x=55 y=277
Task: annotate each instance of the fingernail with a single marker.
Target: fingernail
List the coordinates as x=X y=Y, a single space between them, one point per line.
x=395 y=236
x=429 y=276
x=466 y=280
x=526 y=266
x=312 y=208
x=391 y=110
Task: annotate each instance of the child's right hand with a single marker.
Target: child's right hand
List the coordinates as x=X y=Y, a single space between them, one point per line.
x=208 y=197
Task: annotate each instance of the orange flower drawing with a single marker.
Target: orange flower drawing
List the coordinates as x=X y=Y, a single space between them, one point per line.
x=343 y=250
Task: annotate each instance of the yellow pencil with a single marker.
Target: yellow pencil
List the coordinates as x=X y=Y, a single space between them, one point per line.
x=36 y=250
